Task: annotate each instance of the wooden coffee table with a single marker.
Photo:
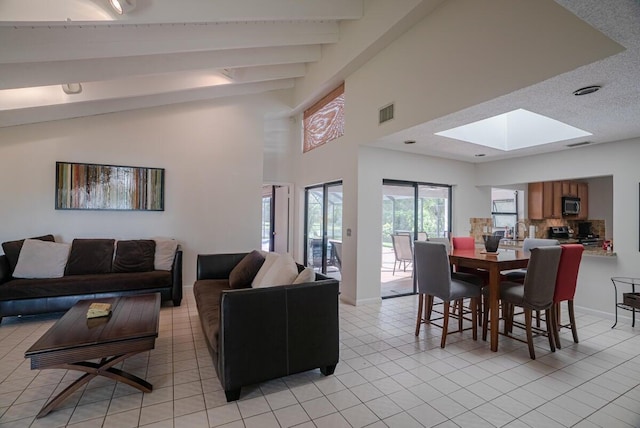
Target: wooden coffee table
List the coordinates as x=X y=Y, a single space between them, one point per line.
x=74 y=340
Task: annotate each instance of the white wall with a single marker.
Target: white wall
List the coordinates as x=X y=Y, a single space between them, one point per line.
x=212 y=153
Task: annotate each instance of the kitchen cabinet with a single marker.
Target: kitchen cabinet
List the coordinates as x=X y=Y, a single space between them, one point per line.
x=545 y=199
x=583 y=194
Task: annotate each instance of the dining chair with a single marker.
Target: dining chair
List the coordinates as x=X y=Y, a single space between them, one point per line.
x=536 y=293
x=469 y=243
x=422 y=236
x=445 y=241
x=566 y=282
x=403 y=251
x=436 y=280
x=527 y=245
x=463 y=243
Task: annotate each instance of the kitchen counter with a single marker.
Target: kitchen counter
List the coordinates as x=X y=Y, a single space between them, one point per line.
x=589 y=250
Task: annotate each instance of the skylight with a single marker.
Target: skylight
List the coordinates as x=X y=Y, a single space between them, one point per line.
x=513 y=130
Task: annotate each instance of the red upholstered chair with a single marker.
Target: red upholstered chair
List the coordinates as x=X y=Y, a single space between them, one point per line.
x=566 y=287
x=469 y=243
x=463 y=243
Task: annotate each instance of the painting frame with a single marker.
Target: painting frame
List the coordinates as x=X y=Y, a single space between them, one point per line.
x=90 y=186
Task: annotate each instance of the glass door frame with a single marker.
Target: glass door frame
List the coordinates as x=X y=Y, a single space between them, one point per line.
x=418 y=215
x=325 y=203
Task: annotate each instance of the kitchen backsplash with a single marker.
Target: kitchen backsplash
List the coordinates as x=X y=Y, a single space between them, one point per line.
x=479 y=225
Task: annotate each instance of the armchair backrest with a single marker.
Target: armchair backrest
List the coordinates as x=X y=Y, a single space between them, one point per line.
x=432 y=269
x=540 y=280
x=567 y=278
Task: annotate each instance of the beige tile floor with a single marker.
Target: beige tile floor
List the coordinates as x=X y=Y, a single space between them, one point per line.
x=386 y=378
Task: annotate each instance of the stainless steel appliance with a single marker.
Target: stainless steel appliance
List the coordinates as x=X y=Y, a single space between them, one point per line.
x=570 y=205
x=558 y=232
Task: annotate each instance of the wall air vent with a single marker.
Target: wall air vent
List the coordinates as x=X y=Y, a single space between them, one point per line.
x=582 y=143
x=385 y=114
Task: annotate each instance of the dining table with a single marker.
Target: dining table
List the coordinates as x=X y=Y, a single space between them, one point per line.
x=494 y=263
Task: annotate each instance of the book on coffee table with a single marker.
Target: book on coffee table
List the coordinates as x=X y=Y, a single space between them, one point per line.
x=99 y=310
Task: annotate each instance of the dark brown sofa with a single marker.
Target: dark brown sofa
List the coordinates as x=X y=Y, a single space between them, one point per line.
x=95 y=275
x=258 y=334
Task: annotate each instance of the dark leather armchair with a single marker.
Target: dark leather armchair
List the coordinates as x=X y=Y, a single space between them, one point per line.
x=258 y=334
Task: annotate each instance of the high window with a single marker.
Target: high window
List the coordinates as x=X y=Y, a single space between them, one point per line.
x=324 y=121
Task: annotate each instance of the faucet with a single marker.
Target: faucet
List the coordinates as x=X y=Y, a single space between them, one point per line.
x=516 y=229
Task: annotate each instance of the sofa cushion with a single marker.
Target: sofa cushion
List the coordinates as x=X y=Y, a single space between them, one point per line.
x=42 y=259
x=307 y=275
x=12 y=249
x=135 y=256
x=242 y=275
x=165 y=253
x=281 y=271
x=74 y=285
x=89 y=256
x=207 y=293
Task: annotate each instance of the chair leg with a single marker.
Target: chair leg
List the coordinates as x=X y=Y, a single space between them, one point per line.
x=461 y=310
x=474 y=317
x=421 y=298
x=485 y=318
x=555 y=328
x=527 y=322
x=445 y=324
x=428 y=309
x=538 y=319
x=507 y=313
x=550 y=328
x=572 y=320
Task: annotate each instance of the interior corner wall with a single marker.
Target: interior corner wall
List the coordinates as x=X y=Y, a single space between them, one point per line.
x=212 y=153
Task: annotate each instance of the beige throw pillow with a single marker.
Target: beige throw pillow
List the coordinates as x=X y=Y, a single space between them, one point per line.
x=307 y=275
x=42 y=259
x=165 y=253
x=277 y=270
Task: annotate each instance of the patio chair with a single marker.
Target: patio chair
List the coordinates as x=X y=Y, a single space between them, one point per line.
x=403 y=251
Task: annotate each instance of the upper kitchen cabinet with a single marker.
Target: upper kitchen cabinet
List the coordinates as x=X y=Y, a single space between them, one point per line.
x=545 y=199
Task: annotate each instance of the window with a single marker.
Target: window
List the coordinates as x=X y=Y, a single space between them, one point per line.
x=324 y=121
x=504 y=208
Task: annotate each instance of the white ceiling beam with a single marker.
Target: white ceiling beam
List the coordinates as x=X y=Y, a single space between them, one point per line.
x=181 y=11
x=59 y=72
x=143 y=86
x=27 y=44
x=91 y=108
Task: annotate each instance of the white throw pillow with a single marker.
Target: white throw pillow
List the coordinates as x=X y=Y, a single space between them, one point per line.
x=307 y=275
x=42 y=259
x=282 y=270
x=165 y=253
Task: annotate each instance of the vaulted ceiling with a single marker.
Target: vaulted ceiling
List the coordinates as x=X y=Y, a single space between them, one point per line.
x=165 y=52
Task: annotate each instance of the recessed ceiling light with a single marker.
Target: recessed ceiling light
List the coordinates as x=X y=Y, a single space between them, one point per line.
x=586 y=90
x=410 y=142
x=479 y=155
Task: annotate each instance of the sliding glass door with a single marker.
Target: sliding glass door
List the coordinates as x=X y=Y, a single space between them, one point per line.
x=323 y=228
x=410 y=211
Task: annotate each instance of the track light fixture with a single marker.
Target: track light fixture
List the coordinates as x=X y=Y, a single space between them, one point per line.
x=123 y=6
x=72 y=88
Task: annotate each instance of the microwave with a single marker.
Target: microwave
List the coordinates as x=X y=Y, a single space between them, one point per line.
x=570 y=205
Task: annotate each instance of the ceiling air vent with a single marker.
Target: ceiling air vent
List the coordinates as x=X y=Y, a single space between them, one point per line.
x=385 y=114
x=583 y=143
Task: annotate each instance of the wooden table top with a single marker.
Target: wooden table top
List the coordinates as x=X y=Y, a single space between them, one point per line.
x=132 y=318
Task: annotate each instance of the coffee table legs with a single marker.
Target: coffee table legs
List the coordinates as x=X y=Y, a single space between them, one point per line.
x=103 y=368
